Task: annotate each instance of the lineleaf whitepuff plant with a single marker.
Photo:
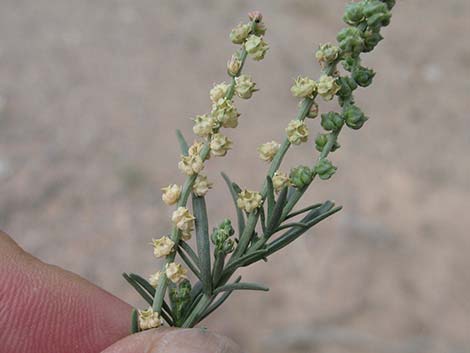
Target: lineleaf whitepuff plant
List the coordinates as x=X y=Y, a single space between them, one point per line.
x=266 y=219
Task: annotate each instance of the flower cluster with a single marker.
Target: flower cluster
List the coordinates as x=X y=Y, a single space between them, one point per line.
x=249 y=200
x=149 y=319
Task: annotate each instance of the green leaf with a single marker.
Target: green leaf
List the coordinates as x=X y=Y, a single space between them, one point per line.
x=290 y=225
x=262 y=217
x=246 y=260
x=189 y=263
x=270 y=195
x=240 y=216
x=240 y=286
x=143 y=283
x=294 y=233
x=138 y=288
x=134 y=321
x=303 y=210
x=182 y=142
x=190 y=252
x=219 y=301
x=203 y=242
x=275 y=219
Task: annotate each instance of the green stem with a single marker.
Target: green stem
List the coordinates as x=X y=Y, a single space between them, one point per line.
x=198 y=311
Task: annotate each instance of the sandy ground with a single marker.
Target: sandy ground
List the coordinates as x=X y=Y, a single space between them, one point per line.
x=91 y=92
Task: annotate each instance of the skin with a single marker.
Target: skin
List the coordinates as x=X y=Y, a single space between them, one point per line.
x=46 y=309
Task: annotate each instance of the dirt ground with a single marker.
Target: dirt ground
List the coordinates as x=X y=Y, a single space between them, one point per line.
x=91 y=92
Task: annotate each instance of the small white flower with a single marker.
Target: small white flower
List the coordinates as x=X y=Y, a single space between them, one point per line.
x=171 y=194
x=244 y=86
x=163 y=246
x=218 y=92
x=256 y=47
x=175 y=272
x=303 y=87
x=220 y=144
x=268 y=150
x=154 y=278
x=327 y=87
x=204 y=125
x=297 y=132
x=183 y=220
x=239 y=34
x=191 y=165
x=201 y=185
x=149 y=319
x=225 y=113
x=249 y=200
x=280 y=180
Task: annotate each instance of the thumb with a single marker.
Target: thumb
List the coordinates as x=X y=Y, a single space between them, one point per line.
x=164 y=340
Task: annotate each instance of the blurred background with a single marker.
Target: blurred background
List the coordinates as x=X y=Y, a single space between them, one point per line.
x=91 y=92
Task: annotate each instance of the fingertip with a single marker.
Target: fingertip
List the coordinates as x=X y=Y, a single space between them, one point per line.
x=175 y=341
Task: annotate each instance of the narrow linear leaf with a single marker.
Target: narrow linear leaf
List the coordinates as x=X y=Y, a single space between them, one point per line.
x=246 y=260
x=138 y=288
x=303 y=210
x=134 y=321
x=190 y=252
x=270 y=196
x=151 y=291
x=218 y=268
x=219 y=301
x=202 y=242
x=196 y=290
x=275 y=219
x=293 y=234
x=241 y=286
x=189 y=263
x=290 y=225
x=182 y=142
x=234 y=193
x=262 y=217
x=191 y=307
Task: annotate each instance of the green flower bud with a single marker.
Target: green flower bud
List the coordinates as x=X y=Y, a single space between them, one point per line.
x=321 y=140
x=226 y=227
x=354 y=13
x=239 y=34
x=180 y=295
x=350 y=41
x=301 y=176
x=350 y=63
x=390 y=3
x=332 y=121
x=327 y=53
x=324 y=169
x=363 y=76
x=347 y=86
x=221 y=237
x=244 y=86
x=256 y=47
x=303 y=87
x=354 y=117
x=313 y=112
x=228 y=246
x=371 y=39
x=377 y=13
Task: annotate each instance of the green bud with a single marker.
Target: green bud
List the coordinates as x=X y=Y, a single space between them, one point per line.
x=221 y=237
x=180 y=296
x=350 y=41
x=377 y=13
x=331 y=121
x=354 y=117
x=313 y=112
x=228 y=246
x=226 y=227
x=301 y=176
x=324 y=169
x=347 y=86
x=354 y=13
x=390 y=3
x=321 y=140
x=350 y=63
x=371 y=39
x=260 y=28
x=363 y=76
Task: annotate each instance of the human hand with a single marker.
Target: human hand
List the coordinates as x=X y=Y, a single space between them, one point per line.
x=44 y=309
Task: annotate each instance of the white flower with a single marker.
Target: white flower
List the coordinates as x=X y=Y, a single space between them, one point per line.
x=303 y=87
x=244 y=86
x=201 y=185
x=218 y=92
x=280 y=180
x=175 y=272
x=191 y=165
x=225 y=113
x=149 y=319
x=256 y=47
x=183 y=220
x=204 y=125
x=234 y=65
x=327 y=87
x=163 y=246
x=240 y=33
x=220 y=144
x=268 y=150
x=249 y=200
x=171 y=194
x=297 y=132
x=154 y=278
